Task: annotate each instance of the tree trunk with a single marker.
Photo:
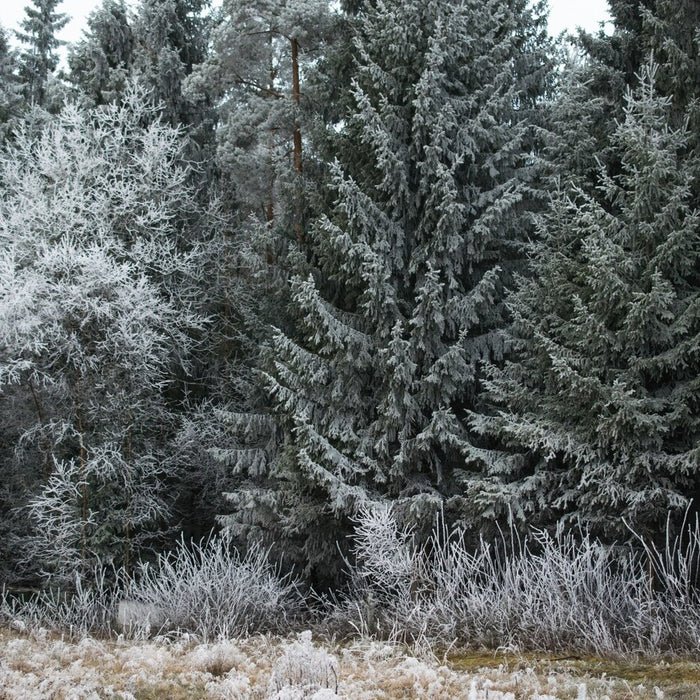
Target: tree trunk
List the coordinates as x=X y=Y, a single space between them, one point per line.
x=82 y=462
x=271 y=144
x=298 y=165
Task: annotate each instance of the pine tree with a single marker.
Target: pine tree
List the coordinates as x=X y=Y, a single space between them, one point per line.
x=254 y=73
x=600 y=408
x=404 y=300
x=40 y=28
x=260 y=57
x=100 y=63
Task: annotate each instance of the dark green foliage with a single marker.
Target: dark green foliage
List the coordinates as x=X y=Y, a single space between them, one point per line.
x=170 y=39
x=668 y=29
x=11 y=92
x=601 y=406
x=405 y=300
x=665 y=30
x=384 y=167
x=263 y=121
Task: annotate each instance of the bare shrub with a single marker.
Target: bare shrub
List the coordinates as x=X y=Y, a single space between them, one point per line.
x=554 y=593
x=210 y=590
x=207 y=589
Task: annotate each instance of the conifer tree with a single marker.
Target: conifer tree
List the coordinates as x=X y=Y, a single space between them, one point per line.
x=100 y=63
x=664 y=29
x=254 y=73
x=39 y=32
x=170 y=39
x=404 y=300
x=600 y=408
x=11 y=97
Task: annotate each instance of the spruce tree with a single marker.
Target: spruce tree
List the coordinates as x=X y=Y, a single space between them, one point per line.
x=11 y=97
x=170 y=39
x=663 y=29
x=404 y=296
x=39 y=60
x=101 y=62
x=600 y=408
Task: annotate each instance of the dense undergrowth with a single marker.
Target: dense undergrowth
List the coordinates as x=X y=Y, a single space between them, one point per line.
x=566 y=593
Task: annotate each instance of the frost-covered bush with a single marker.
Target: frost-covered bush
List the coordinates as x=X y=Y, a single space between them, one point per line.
x=304 y=671
x=543 y=592
x=212 y=590
x=97 y=316
x=208 y=589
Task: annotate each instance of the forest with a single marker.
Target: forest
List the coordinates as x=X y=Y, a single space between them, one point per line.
x=377 y=315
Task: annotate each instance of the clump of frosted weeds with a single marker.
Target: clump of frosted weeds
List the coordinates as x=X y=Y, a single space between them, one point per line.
x=86 y=609
x=212 y=591
x=234 y=687
x=304 y=671
x=207 y=589
x=563 y=593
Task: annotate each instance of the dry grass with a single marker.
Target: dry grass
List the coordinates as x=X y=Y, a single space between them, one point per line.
x=564 y=594
x=43 y=666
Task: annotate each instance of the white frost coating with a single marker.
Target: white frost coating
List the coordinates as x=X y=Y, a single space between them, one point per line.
x=305 y=669
x=132 y=614
x=267 y=668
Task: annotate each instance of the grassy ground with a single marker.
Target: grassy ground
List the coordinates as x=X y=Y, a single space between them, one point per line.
x=43 y=666
x=678 y=679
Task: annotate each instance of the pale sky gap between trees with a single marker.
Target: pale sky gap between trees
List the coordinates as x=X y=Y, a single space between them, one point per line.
x=564 y=15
